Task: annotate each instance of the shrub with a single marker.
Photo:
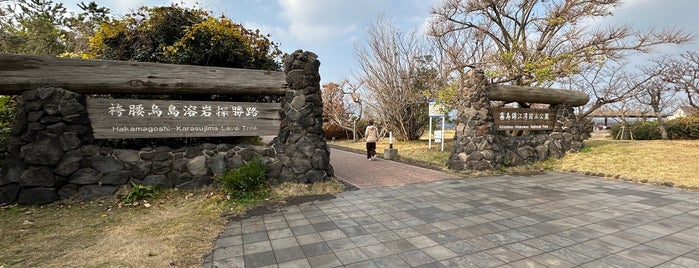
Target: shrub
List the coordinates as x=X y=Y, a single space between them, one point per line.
x=332 y=130
x=646 y=130
x=684 y=127
x=7 y=114
x=245 y=182
x=640 y=130
x=139 y=192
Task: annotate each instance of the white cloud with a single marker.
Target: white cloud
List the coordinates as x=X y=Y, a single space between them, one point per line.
x=318 y=20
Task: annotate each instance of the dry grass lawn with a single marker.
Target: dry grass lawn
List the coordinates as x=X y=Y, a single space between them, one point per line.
x=175 y=230
x=676 y=161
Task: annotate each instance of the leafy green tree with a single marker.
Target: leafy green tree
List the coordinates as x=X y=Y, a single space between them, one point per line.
x=33 y=27
x=82 y=27
x=45 y=27
x=175 y=34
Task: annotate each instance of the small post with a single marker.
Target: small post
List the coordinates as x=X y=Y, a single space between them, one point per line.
x=390 y=140
x=390 y=153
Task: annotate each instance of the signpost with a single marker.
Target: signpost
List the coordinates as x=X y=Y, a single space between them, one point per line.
x=523 y=119
x=138 y=118
x=436 y=110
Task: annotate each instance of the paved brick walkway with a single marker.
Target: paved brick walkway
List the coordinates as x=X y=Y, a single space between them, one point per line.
x=550 y=220
x=357 y=170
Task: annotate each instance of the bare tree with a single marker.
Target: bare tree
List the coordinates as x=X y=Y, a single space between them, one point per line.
x=657 y=92
x=605 y=83
x=683 y=73
x=398 y=76
x=343 y=105
x=533 y=42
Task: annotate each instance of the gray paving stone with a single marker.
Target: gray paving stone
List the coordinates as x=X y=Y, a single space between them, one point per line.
x=387 y=236
x=302 y=230
x=253 y=228
x=229 y=241
x=480 y=259
x=440 y=252
x=257 y=247
x=390 y=261
x=325 y=260
x=332 y=235
x=442 y=238
x=363 y=264
x=324 y=226
x=618 y=261
x=289 y=254
x=422 y=241
x=374 y=228
x=286 y=242
x=416 y=258
x=551 y=260
x=646 y=255
x=259 y=259
x=400 y=246
x=504 y=254
x=364 y=240
x=354 y=231
x=309 y=239
x=681 y=262
x=230 y=262
x=281 y=233
x=298 y=222
x=316 y=249
x=255 y=237
x=341 y=244
x=571 y=256
x=376 y=251
x=350 y=256
x=528 y=263
x=228 y=252
x=302 y=263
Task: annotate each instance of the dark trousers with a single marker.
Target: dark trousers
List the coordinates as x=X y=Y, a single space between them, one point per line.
x=370 y=149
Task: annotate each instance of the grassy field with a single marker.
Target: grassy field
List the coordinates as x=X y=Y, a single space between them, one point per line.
x=656 y=161
x=652 y=161
x=175 y=230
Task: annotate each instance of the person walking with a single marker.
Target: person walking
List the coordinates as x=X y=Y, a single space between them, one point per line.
x=371 y=134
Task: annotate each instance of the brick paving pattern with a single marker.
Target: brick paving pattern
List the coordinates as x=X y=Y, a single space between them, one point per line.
x=357 y=170
x=550 y=220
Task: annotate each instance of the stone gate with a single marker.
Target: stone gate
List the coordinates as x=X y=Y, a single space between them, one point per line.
x=52 y=153
x=481 y=143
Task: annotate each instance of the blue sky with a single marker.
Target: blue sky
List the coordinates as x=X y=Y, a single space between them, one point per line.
x=330 y=28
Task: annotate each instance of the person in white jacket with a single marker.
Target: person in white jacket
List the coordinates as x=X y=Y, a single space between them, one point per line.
x=371 y=134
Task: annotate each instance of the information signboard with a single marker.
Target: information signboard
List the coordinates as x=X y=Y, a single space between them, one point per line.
x=524 y=119
x=138 y=118
x=435 y=109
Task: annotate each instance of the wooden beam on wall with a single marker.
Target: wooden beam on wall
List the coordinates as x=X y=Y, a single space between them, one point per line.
x=20 y=72
x=509 y=93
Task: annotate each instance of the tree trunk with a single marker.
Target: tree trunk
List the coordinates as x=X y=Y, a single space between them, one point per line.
x=661 y=123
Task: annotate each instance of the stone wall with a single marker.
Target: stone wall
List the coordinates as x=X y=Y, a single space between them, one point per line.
x=52 y=153
x=479 y=146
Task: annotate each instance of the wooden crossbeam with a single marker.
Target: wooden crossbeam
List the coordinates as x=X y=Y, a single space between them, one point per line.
x=20 y=72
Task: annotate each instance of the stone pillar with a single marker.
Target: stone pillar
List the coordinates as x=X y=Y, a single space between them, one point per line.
x=474 y=145
x=301 y=145
x=49 y=129
x=566 y=135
